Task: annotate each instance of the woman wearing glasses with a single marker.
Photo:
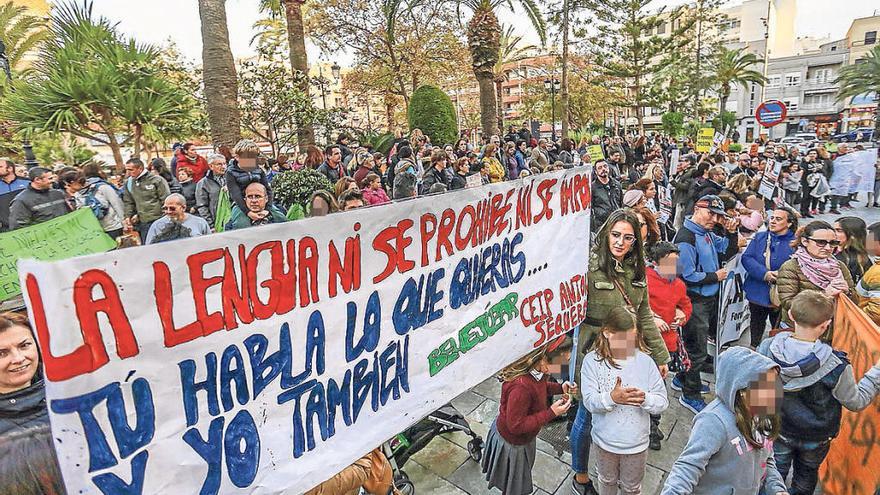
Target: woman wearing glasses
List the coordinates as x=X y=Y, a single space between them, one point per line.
x=616 y=278
x=813 y=266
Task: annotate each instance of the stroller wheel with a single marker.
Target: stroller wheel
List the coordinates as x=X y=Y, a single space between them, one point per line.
x=405 y=486
x=475 y=449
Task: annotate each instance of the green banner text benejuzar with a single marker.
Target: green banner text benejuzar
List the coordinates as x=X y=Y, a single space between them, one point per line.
x=64 y=237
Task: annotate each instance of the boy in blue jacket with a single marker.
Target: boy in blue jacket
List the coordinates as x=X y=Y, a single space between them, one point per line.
x=818 y=383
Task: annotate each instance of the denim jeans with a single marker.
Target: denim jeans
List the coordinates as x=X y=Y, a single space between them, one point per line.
x=704 y=320
x=581 y=440
x=806 y=457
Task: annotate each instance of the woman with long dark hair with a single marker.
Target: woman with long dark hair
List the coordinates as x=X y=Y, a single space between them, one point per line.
x=616 y=279
x=852 y=234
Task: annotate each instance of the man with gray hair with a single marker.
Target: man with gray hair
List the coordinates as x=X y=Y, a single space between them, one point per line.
x=209 y=188
x=177 y=223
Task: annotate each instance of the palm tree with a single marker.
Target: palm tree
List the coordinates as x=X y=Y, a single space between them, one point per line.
x=861 y=78
x=733 y=68
x=509 y=52
x=299 y=60
x=21 y=34
x=484 y=41
x=221 y=81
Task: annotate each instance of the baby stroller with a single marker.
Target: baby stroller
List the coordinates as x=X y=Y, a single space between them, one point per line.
x=403 y=446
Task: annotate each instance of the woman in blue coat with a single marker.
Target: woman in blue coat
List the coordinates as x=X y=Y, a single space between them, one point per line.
x=767 y=251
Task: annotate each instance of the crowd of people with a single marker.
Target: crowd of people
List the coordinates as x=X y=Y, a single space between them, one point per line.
x=661 y=237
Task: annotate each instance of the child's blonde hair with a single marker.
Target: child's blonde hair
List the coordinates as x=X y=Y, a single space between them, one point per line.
x=619 y=319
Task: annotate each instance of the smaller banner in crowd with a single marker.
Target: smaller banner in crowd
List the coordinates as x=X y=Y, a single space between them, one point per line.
x=733 y=310
x=853 y=463
x=64 y=237
x=853 y=172
x=595 y=152
x=705 y=139
x=768 y=182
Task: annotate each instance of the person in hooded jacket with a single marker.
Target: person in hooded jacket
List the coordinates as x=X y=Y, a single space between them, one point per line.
x=730 y=449
x=22 y=394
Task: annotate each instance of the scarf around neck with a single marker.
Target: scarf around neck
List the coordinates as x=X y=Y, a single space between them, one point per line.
x=821 y=272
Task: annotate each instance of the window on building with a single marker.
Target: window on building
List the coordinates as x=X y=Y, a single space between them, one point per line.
x=793 y=79
x=774 y=81
x=822 y=75
x=661 y=29
x=870 y=37
x=819 y=100
x=791 y=104
x=833 y=48
x=752 y=96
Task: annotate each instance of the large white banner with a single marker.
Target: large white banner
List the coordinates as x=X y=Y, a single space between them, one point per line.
x=268 y=359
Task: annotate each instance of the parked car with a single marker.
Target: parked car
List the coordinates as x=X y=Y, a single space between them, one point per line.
x=861 y=134
x=803 y=141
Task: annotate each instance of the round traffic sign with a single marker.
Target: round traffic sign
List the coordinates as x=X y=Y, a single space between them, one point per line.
x=770 y=113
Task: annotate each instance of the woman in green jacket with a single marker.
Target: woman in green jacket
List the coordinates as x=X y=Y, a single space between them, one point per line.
x=616 y=278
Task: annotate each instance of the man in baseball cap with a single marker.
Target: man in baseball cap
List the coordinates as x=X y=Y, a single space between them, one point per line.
x=702 y=253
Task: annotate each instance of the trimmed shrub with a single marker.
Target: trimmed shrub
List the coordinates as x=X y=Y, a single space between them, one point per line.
x=295 y=187
x=431 y=110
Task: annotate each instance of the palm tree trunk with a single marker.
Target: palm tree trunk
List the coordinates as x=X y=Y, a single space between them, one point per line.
x=484 y=39
x=299 y=61
x=499 y=105
x=221 y=82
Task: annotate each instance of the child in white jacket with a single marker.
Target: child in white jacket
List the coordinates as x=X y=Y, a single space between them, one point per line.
x=622 y=387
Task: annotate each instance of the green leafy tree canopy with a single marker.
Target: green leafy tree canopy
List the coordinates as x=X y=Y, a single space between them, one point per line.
x=431 y=111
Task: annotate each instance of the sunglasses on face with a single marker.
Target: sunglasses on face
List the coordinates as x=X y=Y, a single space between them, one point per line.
x=824 y=242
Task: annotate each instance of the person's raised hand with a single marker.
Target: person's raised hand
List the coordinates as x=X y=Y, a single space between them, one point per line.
x=569 y=388
x=561 y=405
x=721 y=273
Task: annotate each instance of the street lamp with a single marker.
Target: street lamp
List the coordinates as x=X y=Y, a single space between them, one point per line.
x=30 y=160
x=334 y=69
x=553 y=87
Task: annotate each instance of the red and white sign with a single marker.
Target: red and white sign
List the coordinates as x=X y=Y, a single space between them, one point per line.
x=771 y=113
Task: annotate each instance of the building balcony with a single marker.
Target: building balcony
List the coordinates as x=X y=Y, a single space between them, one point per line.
x=813 y=85
x=817 y=108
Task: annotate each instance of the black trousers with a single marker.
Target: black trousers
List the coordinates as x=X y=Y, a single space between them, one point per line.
x=758 y=321
x=703 y=322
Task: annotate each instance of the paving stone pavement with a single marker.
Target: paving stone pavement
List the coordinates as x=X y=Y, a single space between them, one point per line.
x=444 y=467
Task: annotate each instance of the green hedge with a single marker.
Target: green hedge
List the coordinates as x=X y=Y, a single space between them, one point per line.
x=431 y=110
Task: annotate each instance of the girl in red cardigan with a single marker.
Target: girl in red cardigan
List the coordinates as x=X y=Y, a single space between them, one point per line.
x=509 y=454
x=667 y=295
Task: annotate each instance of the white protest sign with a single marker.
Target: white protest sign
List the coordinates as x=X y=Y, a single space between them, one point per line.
x=673 y=162
x=768 y=181
x=665 y=212
x=474 y=180
x=266 y=360
x=733 y=310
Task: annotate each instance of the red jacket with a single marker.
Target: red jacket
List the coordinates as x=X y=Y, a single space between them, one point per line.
x=375 y=196
x=664 y=297
x=199 y=166
x=524 y=411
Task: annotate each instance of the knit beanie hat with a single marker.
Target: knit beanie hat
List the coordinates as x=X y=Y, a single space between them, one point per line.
x=632 y=197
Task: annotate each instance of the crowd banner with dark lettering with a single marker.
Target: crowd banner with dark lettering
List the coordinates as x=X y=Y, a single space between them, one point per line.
x=852 y=466
x=733 y=310
x=266 y=360
x=64 y=237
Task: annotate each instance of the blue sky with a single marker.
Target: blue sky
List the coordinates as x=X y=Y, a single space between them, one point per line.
x=158 y=20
